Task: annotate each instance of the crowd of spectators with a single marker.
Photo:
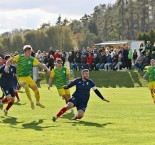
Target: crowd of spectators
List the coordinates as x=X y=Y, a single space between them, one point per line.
x=103 y=58
x=108 y=59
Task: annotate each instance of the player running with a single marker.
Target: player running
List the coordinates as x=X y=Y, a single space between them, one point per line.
x=151 y=74
x=61 y=77
x=81 y=96
x=24 y=64
x=7 y=86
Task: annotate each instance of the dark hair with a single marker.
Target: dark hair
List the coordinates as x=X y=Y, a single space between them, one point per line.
x=7 y=56
x=85 y=70
x=58 y=60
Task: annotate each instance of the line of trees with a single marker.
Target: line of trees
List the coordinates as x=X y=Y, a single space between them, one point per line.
x=126 y=19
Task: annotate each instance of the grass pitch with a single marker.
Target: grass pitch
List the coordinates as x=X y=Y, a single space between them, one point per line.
x=127 y=120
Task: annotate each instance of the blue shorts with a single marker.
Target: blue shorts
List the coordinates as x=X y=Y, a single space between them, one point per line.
x=15 y=86
x=8 y=91
x=80 y=105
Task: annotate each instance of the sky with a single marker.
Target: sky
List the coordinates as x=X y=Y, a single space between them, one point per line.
x=30 y=14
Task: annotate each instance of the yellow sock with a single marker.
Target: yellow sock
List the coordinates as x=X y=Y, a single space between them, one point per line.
x=153 y=96
x=37 y=95
x=27 y=90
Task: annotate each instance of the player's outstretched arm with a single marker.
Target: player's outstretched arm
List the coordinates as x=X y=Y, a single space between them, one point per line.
x=99 y=94
x=44 y=67
x=71 y=84
x=49 y=83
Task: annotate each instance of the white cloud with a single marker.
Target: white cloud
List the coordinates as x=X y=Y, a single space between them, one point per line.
x=32 y=13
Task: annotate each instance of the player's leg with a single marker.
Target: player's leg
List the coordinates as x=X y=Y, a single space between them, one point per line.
x=63 y=110
x=79 y=115
x=24 y=83
x=27 y=90
x=34 y=88
x=10 y=103
x=152 y=90
x=65 y=93
x=81 y=107
x=17 y=96
x=37 y=96
x=15 y=91
x=9 y=98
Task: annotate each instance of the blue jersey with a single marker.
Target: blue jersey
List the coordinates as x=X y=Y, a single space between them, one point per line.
x=7 y=78
x=82 y=92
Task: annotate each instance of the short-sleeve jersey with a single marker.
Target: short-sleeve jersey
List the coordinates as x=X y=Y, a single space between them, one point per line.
x=7 y=78
x=151 y=73
x=60 y=76
x=24 y=65
x=82 y=88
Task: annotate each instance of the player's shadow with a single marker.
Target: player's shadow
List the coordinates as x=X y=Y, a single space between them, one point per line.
x=35 y=125
x=68 y=115
x=11 y=121
x=86 y=123
x=19 y=104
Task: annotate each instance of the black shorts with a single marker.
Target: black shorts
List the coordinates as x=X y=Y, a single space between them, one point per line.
x=8 y=91
x=80 y=105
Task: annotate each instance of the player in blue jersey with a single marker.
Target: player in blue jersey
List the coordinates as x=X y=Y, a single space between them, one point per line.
x=16 y=85
x=7 y=86
x=81 y=96
x=1 y=64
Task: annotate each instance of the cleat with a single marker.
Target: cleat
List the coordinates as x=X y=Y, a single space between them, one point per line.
x=32 y=105
x=5 y=112
x=1 y=105
x=18 y=100
x=42 y=106
x=54 y=119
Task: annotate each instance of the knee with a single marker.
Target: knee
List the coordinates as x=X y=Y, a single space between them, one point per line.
x=36 y=91
x=12 y=100
x=80 y=116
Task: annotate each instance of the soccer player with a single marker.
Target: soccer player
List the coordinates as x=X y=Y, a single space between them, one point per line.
x=1 y=64
x=151 y=74
x=24 y=64
x=7 y=86
x=16 y=86
x=61 y=77
x=81 y=96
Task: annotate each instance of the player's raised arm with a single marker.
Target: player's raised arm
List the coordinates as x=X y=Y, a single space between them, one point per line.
x=49 y=83
x=44 y=67
x=99 y=94
x=8 y=63
x=71 y=84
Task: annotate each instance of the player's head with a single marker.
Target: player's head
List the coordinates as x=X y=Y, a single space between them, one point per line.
x=58 y=62
x=85 y=74
x=7 y=57
x=152 y=62
x=27 y=50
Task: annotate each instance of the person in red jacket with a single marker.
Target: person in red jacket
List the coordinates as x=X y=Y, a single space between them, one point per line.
x=89 y=61
x=57 y=54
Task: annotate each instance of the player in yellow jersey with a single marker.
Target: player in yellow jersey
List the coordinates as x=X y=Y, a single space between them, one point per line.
x=24 y=64
x=151 y=74
x=61 y=77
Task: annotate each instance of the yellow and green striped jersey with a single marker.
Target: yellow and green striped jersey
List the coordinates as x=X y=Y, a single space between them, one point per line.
x=150 y=73
x=60 y=76
x=24 y=65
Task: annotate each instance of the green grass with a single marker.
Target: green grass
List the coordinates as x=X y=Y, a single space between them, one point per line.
x=127 y=120
x=121 y=79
